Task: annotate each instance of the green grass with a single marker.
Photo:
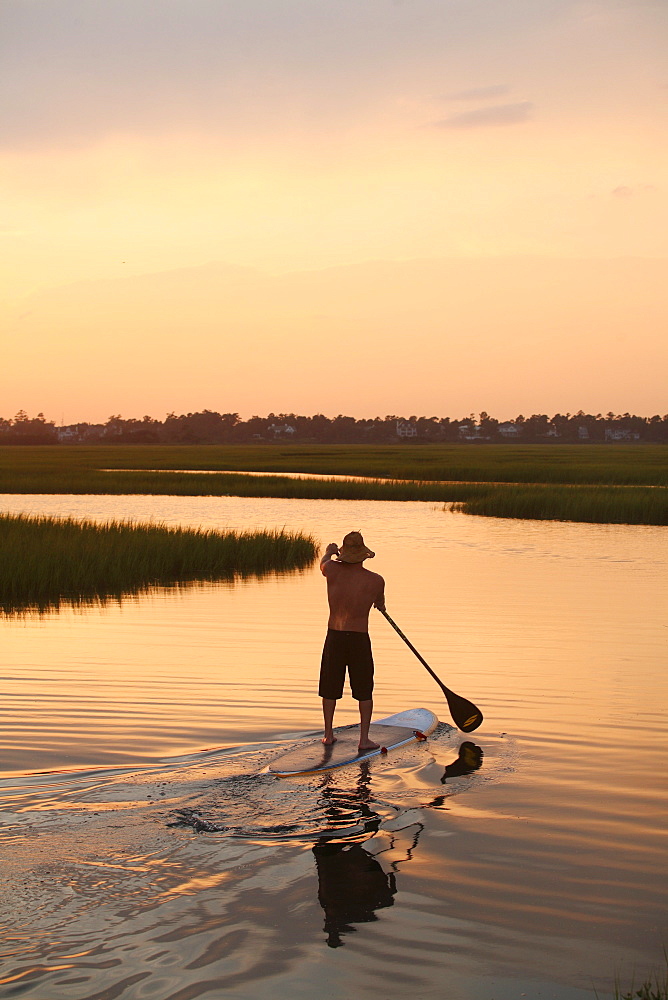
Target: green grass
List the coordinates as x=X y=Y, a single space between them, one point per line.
x=48 y=560
x=598 y=483
x=654 y=988
x=612 y=464
x=648 y=991
x=597 y=504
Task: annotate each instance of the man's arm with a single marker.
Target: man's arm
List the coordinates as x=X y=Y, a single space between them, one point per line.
x=380 y=600
x=331 y=550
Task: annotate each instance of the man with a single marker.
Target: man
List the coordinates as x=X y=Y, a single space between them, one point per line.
x=351 y=591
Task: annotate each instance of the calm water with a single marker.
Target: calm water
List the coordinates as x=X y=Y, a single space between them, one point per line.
x=541 y=874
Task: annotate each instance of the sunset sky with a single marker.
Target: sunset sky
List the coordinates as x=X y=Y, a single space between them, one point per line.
x=360 y=206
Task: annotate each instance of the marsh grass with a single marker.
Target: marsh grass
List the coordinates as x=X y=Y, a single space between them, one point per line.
x=238 y=484
x=596 y=483
x=75 y=468
x=648 y=991
x=597 y=504
x=654 y=987
x=651 y=989
x=48 y=560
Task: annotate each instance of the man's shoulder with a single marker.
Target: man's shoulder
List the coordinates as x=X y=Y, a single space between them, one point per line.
x=377 y=576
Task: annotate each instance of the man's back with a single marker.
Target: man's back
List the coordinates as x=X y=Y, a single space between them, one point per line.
x=352 y=590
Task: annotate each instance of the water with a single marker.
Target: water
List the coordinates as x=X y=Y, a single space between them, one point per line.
x=129 y=727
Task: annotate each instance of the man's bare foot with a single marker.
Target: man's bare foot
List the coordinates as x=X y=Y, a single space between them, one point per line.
x=368 y=746
x=328 y=740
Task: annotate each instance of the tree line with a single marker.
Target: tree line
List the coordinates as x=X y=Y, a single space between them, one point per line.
x=211 y=427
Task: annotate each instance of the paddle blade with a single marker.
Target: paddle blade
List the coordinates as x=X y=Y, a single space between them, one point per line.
x=465 y=714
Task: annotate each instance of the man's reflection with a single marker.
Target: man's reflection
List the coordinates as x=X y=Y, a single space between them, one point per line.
x=351 y=887
x=352 y=884
x=346 y=807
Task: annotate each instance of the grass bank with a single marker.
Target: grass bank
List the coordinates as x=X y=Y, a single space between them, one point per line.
x=598 y=504
x=73 y=468
x=48 y=560
x=597 y=483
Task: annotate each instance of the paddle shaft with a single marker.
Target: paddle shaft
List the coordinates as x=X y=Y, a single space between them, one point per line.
x=412 y=647
x=465 y=714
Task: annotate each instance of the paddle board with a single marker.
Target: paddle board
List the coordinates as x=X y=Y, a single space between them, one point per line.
x=394 y=731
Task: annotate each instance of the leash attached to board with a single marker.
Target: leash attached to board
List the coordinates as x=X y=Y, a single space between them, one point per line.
x=465 y=714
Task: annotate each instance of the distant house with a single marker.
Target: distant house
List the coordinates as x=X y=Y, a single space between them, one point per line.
x=469 y=431
x=619 y=434
x=75 y=433
x=583 y=433
x=406 y=429
x=68 y=434
x=509 y=430
x=281 y=430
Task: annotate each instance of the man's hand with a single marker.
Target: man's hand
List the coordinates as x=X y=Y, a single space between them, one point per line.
x=331 y=550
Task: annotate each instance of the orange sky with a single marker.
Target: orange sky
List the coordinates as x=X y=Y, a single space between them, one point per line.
x=414 y=206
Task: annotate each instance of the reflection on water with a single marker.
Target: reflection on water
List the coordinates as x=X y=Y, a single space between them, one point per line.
x=351 y=883
x=342 y=805
x=468 y=760
x=351 y=887
x=114 y=893
x=541 y=872
x=258 y=475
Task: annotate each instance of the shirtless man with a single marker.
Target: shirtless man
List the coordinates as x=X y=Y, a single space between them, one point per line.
x=351 y=591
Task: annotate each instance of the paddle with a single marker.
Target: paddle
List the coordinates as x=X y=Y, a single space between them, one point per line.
x=464 y=713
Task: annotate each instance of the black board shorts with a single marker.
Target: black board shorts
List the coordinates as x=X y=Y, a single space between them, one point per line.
x=351 y=650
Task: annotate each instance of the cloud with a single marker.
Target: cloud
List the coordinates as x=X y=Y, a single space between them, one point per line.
x=479 y=93
x=495 y=114
x=624 y=191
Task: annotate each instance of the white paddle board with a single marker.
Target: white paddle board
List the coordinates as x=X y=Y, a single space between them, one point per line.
x=394 y=731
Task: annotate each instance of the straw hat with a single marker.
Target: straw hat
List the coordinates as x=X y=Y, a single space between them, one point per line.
x=353 y=549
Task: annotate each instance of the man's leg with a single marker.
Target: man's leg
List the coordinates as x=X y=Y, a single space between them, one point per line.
x=332 y=675
x=366 y=708
x=328 y=706
x=360 y=667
